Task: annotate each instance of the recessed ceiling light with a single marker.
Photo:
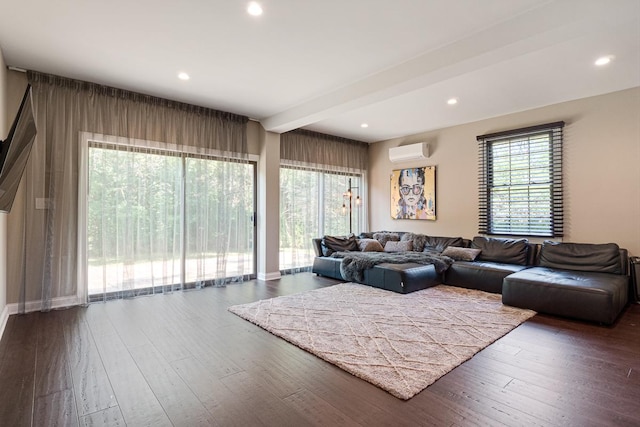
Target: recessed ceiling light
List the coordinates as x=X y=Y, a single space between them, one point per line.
x=452 y=101
x=254 y=9
x=364 y=125
x=604 y=60
x=183 y=76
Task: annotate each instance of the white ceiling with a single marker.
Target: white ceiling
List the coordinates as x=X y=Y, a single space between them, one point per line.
x=334 y=64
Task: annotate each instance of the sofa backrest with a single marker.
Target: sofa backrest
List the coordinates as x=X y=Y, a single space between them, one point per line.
x=567 y=256
x=432 y=242
x=505 y=251
x=439 y=244
x=601 y=258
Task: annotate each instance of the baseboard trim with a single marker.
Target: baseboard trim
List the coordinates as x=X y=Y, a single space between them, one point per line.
x=60 y=302
x=4 y=317
x=269 y=276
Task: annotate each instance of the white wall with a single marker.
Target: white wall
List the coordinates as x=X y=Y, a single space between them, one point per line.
x=268 y=206
x=3 y=217
x=601 y=171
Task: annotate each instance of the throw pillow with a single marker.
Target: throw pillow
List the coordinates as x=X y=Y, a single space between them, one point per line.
x=383 y=238
x=331 y=244
x=370 y=245
x=395 y=246
x=418 y=240
x=461 y=254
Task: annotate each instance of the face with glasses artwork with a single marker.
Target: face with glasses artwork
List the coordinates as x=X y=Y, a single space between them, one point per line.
x=412 y=203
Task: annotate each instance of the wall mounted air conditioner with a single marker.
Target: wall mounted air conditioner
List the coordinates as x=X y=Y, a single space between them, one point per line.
x=405 y=153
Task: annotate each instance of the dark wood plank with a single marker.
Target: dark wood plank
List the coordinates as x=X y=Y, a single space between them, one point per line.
x=5 y=338
x=122 y=321
x=217 y=398
x=52 y=364
x=166 y=384
x=162 y=326
x=138 y=404
x=470 y=417
x=110 y=417
x=620 y=412
x=56 y=409
x=92 y=389
x=579 y=378
x=318 y=411
x=269 y=409
x=17 y=373
x=503 y=405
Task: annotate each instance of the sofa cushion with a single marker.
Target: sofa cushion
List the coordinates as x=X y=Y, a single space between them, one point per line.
x=331 y=244
x=601 y=258
x=439 y=244
x=404 y=246
x=506 y=251
x=385 y=237
x=461 y=254
x=369 y=245
x=482 y=275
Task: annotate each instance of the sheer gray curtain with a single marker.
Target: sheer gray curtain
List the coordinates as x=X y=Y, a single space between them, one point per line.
x=66 y=112
x=315 y=172
x=324 y=151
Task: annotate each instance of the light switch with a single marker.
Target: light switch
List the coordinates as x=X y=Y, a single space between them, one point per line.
x=42 y=203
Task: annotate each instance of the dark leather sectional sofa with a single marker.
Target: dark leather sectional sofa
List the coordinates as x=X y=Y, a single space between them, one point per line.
x=576 y=280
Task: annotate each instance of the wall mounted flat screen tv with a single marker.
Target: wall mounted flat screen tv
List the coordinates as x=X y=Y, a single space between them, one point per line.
x=15 y=150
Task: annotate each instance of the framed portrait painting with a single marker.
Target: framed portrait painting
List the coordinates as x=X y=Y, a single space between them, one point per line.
x=413 y=193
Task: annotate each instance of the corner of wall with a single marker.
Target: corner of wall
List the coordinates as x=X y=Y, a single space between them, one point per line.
x=4 y=314
x=268 y=206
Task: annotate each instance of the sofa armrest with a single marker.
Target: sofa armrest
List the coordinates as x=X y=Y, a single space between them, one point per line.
x=317 y=246
x=624 y=262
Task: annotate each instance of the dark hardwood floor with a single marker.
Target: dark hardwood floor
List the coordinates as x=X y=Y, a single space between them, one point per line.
x=182 y=359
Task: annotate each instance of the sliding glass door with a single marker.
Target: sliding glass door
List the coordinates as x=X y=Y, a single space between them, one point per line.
x=159 y=221
x=219 y=226
x=311 y=205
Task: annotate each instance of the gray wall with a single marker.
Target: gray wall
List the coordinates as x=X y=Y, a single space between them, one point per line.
x=601 y=171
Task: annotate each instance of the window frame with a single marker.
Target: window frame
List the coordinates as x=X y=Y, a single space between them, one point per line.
x=548 y=222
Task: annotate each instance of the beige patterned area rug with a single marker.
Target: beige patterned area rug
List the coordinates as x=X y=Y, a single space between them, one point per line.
x=400 y=343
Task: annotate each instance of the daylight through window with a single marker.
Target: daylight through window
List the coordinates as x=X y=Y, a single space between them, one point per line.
x=159 y=221
x=311 y=206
